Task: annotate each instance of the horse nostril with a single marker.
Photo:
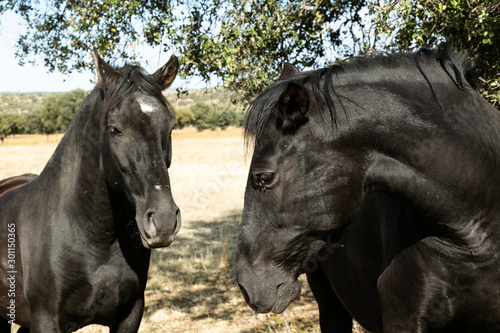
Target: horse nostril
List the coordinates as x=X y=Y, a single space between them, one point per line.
x=178 y=220
x=150 y=228
x=244 y=293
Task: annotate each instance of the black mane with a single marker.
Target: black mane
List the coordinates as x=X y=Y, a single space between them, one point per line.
x=433 y=66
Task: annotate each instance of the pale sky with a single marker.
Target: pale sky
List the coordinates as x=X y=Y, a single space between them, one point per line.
x=29 y=78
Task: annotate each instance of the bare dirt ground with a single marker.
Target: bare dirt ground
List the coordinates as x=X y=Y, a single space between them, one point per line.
x=191 y=286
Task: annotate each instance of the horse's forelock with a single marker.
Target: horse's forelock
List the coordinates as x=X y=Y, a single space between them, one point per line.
x=132 y=79
x=261 y=109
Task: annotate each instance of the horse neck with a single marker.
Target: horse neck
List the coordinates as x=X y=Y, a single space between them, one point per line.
x=75 y=173
x=443 y=162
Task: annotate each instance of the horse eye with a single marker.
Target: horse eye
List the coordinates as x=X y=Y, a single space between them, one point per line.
x=264 y=180
x=113 y=130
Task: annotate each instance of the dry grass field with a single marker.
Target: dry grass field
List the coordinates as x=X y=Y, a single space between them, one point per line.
x=191 y=284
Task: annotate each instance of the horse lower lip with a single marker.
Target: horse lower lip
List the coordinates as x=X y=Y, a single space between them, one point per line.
x=163 y=242
x=155 y=242
x=280 y=304
x=286 y=293
x=159 y=242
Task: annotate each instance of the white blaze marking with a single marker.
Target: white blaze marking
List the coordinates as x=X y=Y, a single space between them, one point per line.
x=147 y=104
x=146 y=107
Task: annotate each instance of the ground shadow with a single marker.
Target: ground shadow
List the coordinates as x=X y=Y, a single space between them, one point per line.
x=201 y=262
x=195 y=276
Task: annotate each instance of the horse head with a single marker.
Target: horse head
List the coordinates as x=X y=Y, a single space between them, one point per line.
x=136 y=151
x=294 y=201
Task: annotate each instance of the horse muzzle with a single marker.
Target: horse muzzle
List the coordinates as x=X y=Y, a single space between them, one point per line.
x=160 y=227
x=267 y=294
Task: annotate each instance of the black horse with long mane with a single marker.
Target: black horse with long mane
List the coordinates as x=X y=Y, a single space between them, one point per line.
x=75 y=241
x=378 y=178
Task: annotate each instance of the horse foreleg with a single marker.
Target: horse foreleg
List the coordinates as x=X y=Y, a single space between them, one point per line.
x=131 y=323
x=43 y=321
x=333 y=317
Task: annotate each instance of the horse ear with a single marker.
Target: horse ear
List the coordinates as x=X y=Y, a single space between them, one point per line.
x=288 y=70
x=166 y=75
x=292 y=107
x=104 y=71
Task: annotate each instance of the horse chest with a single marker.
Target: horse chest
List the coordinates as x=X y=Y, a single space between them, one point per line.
x=98 y=299
x=93 y=286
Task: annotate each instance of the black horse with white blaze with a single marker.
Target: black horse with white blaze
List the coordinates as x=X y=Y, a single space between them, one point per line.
x=75 y=241
x=378 y=178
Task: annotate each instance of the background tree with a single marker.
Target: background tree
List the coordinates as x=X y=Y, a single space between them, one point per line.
x=11 y=124
x=184 y=117
x=47 y=116
x=226 y=117
x=203 y=115
x=243 y=42
x=211 y=117
x=32 y=121
x=67 y=104
x=470 y=25
x=247 y=42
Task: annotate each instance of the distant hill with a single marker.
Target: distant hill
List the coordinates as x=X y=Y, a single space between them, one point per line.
x=21 y=103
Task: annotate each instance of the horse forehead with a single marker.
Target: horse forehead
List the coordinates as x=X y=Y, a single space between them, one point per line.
x=148 y=103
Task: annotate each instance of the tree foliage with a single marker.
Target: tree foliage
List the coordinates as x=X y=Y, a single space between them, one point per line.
x=11 y=124
x=48 y=115
x=184 y=117
x=243 y=42
x=247 y=42
x=67 y=104
x=64 y=32
x=211 y=117
x=470 y=25
x=57 y=110
x=53 y=115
